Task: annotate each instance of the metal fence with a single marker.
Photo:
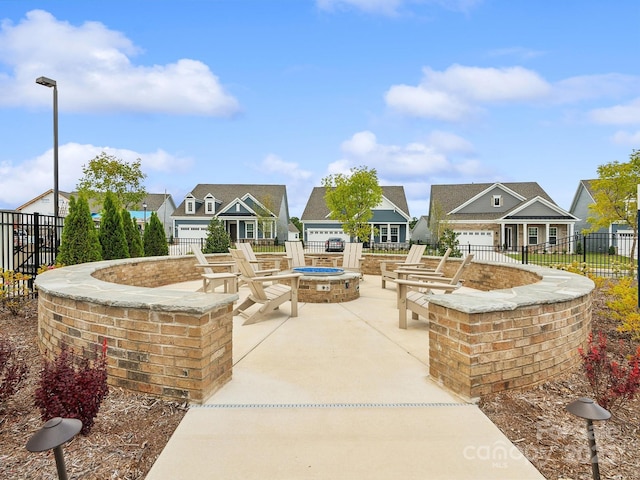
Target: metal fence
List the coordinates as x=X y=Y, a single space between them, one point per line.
x=27 y=242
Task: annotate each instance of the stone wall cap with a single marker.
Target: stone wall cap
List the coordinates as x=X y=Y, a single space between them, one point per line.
x=76 y=282
x=554 y=286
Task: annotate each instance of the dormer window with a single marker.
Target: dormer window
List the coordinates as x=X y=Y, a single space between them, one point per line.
x=496 y=201
x=210 y=206
x=190 y=206
x=237 y=207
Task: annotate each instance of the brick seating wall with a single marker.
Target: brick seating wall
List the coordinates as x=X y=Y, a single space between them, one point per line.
x=187 y=356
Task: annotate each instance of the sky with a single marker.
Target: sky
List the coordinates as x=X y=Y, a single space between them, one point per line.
x=291 y=91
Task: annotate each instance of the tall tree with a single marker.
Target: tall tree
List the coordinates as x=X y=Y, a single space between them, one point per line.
x=218 y=240
x=155 y=243
x=438 y=221
x=112 y=237
x=107 y=173
x=351 y=198
x=132 y=234
x=79 y=243
x=614 y=194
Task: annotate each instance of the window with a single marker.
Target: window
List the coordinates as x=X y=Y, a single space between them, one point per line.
x=237 y=207
x=533 y=235
x=496 y=201
x=384 y=234
x=249 y=230
x=553 y=235
x=394 y=234
x=190 y=206
x=210 y=207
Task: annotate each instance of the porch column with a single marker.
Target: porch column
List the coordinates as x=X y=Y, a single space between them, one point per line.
x=572 y=228
x=525 y=235
x=547 y=225
x=501 y=240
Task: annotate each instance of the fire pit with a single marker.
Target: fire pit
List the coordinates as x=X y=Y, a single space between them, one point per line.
x=327 y=285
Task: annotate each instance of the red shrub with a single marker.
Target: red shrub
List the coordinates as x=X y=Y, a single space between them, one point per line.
x=13 y=370
x=71 y=387
x=613 y=382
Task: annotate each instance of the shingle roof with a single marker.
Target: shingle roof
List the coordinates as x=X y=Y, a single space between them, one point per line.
x=316 y=208
x=451 y=196
x=227 y=193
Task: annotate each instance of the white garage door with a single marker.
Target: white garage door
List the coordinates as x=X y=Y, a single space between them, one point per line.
x=192 y=231
x=322 y=234
x=480 y=237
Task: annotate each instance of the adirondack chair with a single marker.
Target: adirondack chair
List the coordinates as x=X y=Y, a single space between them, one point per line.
x=352 y=257
x=269 y=297
x=415 y=289
x=388 y=271
x=211 y=279
x=257 y=264
x=295 y=254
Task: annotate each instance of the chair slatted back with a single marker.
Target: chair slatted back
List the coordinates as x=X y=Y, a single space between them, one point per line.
x=202 y=260
x=352 y=255
x=247 y=272
x=415 y=253
x=248 y=251
x=295 y=254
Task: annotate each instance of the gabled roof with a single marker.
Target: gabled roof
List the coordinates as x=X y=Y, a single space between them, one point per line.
x=451 y=197
x=66 y=195
x=155 y=200
x=228 y=193
x=584 y=185
x=316 y=208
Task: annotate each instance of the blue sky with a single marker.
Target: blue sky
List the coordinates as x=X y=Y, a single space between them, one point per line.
x=289 y=91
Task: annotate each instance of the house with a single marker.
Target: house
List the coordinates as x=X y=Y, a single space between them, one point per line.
x=43 y=204
x=160 y=203
x=618 y=234
x=420 y=233
x=294 y=233
x=249 y=212
x=391 y=218
x=500 y=215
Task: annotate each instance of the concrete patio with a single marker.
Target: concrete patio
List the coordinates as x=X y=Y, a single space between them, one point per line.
x=340 y=392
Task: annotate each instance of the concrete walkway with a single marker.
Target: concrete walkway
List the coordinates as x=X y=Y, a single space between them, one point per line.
x=340 y=392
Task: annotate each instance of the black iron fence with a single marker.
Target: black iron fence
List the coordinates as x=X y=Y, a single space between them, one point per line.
x=27 y=242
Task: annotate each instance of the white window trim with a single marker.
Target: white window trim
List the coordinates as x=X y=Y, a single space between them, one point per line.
x=190 y=207
x=249 y=229
x=499 y=201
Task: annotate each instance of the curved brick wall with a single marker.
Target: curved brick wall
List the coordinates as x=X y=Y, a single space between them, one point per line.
x=524 y=328
x=173 y=344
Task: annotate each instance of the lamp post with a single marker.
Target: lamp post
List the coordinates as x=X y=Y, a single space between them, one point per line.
x=47 y=82
x=144 y=206
x=589 y=410
x=52 y=435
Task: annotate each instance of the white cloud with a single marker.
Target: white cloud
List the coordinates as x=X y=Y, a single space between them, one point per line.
x=626 y=138
x=392 y=7
x=20 y=182
x=618 y=114
x=274 y=164
x=458 y=91
x=94 y=70
x=449 y=142
x=587 y=87
x=400 y=163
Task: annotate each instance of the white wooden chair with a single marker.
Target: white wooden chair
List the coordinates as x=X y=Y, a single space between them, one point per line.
x=412 y=263
x=352 y=256
x=295 y=254
x=413 y=259
x=212 y=279
x=257 y=264
x=415 y=289
x=268 y=297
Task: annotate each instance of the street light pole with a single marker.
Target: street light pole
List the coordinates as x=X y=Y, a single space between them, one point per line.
x=48 y=82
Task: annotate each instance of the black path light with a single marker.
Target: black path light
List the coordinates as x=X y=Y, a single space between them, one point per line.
x=52 y=435
x=588 y=409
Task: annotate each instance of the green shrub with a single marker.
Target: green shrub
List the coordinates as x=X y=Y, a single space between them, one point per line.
x=79 y=242
x=155 y=243
x=112 y=237
x=218 y=240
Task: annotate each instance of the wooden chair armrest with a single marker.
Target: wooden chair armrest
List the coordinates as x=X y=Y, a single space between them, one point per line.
x=429 y=285
x=271 y=278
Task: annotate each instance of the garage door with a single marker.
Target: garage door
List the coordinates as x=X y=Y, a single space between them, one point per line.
x=480 y=237
x=322 y=234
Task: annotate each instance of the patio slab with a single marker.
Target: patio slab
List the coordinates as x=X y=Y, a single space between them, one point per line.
x=340 y=392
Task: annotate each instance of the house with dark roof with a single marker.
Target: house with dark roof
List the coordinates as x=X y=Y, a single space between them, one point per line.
x=420 y=233
x=249 y=212
x=618 y=234
x=390 y=218
x=500 y=215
